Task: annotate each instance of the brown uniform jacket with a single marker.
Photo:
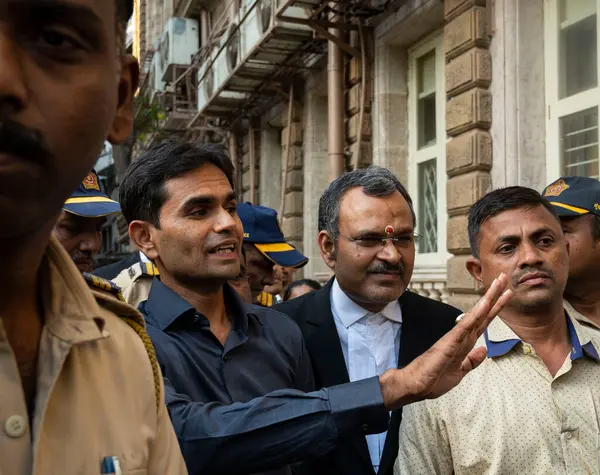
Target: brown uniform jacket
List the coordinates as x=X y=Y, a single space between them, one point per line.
x=96 y=392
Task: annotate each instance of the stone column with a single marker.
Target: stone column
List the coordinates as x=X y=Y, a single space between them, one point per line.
x=468 y=121
x=270 y=166
x=354 y=73
x=292 y=225
x=245 y=151
x=315 y=178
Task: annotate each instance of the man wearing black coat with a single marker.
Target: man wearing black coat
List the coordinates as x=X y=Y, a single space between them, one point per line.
x=365 y=321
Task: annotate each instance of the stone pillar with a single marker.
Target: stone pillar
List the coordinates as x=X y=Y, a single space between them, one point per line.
x=315 y=179
x=245 y=151
x=390 y=148
x=291 y=224
x=354 y=73
x=270 y=166
x=468 y=121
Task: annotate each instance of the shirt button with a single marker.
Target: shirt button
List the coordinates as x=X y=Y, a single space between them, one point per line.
x=568 y=435
x=526 y=350
x=15 y=426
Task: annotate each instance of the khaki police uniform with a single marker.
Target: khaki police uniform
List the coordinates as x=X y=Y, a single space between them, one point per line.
x=95 y=390
x=135 y=282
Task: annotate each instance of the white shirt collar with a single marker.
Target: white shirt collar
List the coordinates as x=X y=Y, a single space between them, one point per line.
x=143 y=257
x=349 y=312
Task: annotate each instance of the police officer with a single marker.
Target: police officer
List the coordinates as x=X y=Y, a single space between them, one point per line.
x=79 y=393
x=576 y=199
x=79 y=226
x=265 y=248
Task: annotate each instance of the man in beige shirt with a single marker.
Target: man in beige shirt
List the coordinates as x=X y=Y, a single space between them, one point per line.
x=576 y=200
x=532 y=407
x=79 y=393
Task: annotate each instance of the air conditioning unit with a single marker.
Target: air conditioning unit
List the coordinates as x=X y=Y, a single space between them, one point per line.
x=155 y=82
x=261 y=17
x=205 y=85
x=179 y=43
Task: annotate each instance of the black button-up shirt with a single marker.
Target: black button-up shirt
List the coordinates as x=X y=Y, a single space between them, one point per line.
x=240 y=408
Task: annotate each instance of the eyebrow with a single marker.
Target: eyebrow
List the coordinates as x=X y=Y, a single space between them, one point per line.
x=205 y=200
x=57 y=9
x=517 y=238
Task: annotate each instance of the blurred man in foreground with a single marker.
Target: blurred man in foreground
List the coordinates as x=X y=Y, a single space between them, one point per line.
x=79 y=393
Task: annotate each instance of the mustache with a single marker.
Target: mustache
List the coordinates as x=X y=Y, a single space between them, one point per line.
x=386 y=268
x=81 y=256
x=15 y=139
x=517 y=276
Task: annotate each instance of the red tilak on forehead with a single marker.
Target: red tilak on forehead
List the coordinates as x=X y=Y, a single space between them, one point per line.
x=389 y=229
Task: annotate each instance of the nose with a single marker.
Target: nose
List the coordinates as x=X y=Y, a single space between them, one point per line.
x=529 y=256
x=91 y=242
x=13 y=89
x=389 y=253
x=225 y=222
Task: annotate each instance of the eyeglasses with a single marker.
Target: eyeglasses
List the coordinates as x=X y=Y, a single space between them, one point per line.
x=374 y=243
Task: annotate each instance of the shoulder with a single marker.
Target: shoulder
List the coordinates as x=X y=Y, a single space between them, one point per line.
x=130 y=342
x=299 y=308
x=103 y=286
x=133 y=273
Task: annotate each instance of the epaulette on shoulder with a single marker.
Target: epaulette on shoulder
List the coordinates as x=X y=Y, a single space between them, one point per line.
x=142 y=268
x=264 y=299
x=98 y=283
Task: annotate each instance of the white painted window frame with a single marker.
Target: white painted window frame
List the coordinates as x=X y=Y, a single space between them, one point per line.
x=558 y=108
x=429 y=263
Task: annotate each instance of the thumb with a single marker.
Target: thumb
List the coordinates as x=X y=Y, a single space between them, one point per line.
x=473 y=359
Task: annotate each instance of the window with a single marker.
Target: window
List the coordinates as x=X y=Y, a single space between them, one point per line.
x=572 y=91
x=427 y=149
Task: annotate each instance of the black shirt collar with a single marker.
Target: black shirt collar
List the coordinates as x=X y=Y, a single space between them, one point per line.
x=164 y=307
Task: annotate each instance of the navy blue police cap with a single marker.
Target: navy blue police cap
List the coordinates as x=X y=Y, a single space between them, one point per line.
x=574 y=195
x=262 y=229
x=89 y=199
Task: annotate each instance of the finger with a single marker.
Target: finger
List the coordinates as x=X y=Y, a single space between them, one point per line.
x=478 y=315
x=473 y=359
x=500 y=304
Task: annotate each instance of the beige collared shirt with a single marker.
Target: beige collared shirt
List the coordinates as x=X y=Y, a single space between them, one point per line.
x=95 y=395
x=510 y=416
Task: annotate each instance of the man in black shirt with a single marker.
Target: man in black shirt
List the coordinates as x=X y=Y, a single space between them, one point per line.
x=234 y=373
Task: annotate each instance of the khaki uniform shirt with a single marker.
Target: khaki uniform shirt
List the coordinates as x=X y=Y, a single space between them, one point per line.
x=511 y=416
x=135 y=282
x=95 y=389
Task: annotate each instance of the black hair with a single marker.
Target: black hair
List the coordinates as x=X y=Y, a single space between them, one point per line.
x=374 y=181
x=313 y=284
x=498 y=201
x=142 y=193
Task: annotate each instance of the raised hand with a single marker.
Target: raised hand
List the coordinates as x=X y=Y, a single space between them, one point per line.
x=447 y=362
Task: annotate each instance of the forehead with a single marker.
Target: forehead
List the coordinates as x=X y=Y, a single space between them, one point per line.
x=519 y=222
x=207 y=181
x=104 y=11
x=577 y=222
x=359 y=210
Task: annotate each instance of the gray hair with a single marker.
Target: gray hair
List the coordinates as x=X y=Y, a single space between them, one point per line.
x=374 y=181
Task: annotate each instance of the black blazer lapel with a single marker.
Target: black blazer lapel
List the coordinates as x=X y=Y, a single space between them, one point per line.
x=323 y=344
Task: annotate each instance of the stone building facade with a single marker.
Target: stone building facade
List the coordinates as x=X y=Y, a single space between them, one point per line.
x=462 y=96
